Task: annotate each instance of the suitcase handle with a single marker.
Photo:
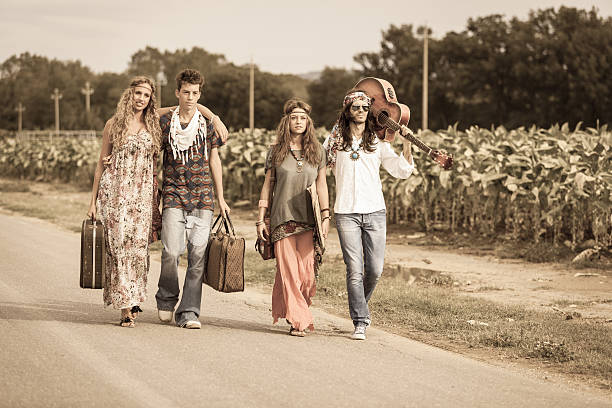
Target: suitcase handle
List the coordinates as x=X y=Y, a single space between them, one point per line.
x=226 y=221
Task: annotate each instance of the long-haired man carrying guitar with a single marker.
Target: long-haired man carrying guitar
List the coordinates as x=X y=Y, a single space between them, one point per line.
x=355 y=154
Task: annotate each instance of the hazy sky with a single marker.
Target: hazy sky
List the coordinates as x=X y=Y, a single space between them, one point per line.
x=282 y=36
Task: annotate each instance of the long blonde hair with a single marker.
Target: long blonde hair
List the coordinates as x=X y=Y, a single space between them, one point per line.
x=125 y=113
x=312 y=147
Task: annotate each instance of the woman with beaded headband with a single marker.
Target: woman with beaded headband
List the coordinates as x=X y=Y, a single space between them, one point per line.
x=299 y=161
x=123 y=194
x=355 y=155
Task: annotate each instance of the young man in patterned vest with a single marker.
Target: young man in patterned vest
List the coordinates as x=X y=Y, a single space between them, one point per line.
x=191 y=167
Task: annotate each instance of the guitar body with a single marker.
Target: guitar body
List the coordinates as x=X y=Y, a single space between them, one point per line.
x=392 y=117
x=384 y=101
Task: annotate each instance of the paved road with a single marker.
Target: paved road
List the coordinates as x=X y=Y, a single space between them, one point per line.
x=60 y=348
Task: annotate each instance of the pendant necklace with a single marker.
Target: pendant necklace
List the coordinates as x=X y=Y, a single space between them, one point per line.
x=299 y=160
x=354 y=155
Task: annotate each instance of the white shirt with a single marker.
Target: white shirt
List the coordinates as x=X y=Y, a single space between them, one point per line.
x=358 y=185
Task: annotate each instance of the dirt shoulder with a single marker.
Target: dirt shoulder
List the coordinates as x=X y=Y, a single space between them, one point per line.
x=585 y=292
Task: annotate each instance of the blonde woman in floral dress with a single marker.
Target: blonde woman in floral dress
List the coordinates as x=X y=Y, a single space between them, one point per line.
x=122 y=196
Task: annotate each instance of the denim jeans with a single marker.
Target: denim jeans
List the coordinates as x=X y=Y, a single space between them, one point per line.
x=177 y=225
x=362 y=239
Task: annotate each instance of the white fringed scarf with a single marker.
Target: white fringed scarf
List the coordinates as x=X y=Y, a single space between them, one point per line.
x=188 y=140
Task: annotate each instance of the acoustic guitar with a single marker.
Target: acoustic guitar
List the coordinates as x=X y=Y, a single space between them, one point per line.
x=392 y=116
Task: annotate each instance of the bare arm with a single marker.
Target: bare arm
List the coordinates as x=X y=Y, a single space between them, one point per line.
x=107 y=148
x=262 y=231
x=323 y=200
x=217 y=176
x=163 y=111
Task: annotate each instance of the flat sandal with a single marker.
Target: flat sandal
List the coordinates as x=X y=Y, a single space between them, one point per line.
x=127 y=321
x=297 y=333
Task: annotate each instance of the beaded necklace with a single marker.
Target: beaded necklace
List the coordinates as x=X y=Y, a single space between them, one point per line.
x=299 y=160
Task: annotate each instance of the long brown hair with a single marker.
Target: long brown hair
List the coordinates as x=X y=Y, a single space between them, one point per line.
x=344 y=121
x=311 y=146
x=125 y=112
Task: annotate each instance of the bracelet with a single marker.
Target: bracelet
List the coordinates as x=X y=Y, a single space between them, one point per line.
x=260 y=222
x=263 y=204
x=325 y=209
x=327 y=217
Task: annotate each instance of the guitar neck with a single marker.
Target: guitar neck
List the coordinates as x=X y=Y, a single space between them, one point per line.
x=407 y=133
x=404 y=131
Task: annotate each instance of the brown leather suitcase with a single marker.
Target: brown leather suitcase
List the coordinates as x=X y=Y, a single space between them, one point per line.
x=224 y=267
x=92 y=255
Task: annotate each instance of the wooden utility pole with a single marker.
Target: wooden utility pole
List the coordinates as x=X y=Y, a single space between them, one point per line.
x=20 y=109
x=252 y=98
x=425 y=76
x=56 y=96
x=87 y=91
x=161 y=81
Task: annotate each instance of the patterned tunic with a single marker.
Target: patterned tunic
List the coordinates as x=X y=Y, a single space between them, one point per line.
x=124 y=202
x=188 y=186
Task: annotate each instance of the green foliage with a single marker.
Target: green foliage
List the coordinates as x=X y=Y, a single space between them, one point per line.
x=534 y=185
x=326 y=94
x=553 y=67
x=531 y=184
x=70 y=160
x=30 y=79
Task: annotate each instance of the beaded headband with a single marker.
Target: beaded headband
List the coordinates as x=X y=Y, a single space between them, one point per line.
x=353 y=96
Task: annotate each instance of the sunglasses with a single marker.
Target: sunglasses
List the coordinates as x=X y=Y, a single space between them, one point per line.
x=356 y=108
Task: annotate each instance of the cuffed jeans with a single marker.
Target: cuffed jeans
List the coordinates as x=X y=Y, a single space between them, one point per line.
x=362 y=239
x=177 y=225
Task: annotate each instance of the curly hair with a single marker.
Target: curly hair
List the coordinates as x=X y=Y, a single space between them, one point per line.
x=119 y=123
x=311 y=146
x=190 y=76
x=344 y=121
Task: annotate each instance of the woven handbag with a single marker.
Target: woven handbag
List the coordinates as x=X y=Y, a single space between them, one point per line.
x=266 y=248
x=224 y=268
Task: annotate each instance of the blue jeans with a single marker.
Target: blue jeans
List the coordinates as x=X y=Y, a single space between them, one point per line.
x=362 y=239
x=177 y=225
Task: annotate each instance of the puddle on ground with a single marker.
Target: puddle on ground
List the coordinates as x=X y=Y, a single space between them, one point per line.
x=412 y=274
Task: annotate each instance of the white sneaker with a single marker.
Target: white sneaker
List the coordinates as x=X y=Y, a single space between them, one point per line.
x=359 y=333
x=192 y=324
x=165 y=315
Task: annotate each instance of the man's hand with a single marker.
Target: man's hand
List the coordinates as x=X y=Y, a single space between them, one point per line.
x=220 y=128
x=223 y=207
x=407 y=148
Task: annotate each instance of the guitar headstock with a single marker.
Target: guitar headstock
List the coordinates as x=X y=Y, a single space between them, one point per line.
x=444 y=159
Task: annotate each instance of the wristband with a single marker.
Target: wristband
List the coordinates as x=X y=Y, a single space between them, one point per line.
x=260 y=222
x=263 y=204
x=327 y=217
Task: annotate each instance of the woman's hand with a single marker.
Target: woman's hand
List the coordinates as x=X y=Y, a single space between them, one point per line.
x=262 y=232
x=106 y=161
x=92 y=211
x=325 y=227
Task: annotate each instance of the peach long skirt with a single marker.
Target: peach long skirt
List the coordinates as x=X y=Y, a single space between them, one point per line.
x=294 y=283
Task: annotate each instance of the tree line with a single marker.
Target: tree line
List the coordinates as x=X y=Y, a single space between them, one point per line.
x=553 y=67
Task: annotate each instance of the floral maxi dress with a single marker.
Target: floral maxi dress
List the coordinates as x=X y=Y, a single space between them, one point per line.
x=124 y=207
